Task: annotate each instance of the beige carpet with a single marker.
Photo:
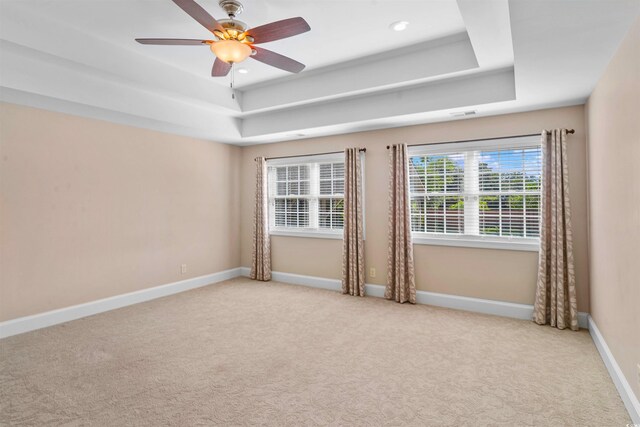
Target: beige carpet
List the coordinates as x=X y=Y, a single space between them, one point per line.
x=249 y=353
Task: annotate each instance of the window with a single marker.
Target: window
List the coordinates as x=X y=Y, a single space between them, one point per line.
x=437 y=193
x=306 y=195
x=291 y=198
x=331 y=199
x=483 y=194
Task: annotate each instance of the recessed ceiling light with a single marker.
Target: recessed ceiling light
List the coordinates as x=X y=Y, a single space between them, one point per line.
x=399 y=25
x=243 y=70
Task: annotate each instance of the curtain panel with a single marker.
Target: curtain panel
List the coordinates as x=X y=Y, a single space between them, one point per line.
x=555 y=302
x=261 y=260
x=353 y=240
x=401 y=284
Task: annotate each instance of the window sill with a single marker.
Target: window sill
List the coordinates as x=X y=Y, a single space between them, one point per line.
x=512 y=245
x=307 y=233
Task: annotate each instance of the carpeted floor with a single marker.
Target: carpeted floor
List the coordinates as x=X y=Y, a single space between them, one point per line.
x=250 y=353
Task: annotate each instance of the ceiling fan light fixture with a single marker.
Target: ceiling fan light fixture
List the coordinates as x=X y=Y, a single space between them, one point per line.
x=231 y=51
x=235 y=40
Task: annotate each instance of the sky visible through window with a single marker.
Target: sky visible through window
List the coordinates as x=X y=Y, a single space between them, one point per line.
x=491 y=159
x=521 y=158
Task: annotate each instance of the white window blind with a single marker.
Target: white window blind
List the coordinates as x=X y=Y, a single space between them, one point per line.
x=483 y=190
x=306 y=194
x=331 y=198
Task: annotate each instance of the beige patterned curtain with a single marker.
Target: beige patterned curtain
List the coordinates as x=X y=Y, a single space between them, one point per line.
x=556 y=288
x=353 y=242
x=261 y=263
x=401 y=284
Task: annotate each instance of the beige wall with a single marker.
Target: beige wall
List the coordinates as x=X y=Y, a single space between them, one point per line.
x=613 y=113
x=483 y=273
x=91 y=209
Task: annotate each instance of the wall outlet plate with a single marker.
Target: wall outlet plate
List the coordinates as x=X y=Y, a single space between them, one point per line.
x=183 y=268
x=372 y=272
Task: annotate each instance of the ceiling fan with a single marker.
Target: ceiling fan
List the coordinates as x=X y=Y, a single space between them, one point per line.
x=235 y=41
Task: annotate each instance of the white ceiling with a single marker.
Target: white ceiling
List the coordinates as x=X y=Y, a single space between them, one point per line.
x=492 y=56
x=340 y=29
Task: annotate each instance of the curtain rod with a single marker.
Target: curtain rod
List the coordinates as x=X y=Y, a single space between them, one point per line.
x=362 y=150
x=571 y=131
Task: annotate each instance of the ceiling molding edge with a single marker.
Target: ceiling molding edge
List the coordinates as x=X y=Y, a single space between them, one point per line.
x=479 y=88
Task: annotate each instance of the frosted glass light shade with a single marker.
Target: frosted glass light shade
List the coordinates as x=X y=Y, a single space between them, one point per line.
x=231 y=51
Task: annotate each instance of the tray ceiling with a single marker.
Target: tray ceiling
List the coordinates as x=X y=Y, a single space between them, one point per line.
x=492 y=56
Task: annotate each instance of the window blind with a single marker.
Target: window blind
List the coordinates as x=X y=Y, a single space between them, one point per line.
x=306 y=193
x=480 y=190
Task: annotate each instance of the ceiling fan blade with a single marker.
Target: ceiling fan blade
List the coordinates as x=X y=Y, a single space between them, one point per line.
x=196 y=11
x=174 y=41
x=276 y=60
x=220 y=68
x=279 y=30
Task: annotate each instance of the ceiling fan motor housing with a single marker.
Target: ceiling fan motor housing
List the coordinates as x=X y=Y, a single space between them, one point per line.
x=234 y=24
x=233 y=30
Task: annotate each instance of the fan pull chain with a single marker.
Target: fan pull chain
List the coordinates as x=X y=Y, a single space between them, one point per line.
x=233 y=94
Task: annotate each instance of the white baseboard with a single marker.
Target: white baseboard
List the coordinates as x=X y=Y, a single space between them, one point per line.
x=298 y=279
x=54 y=317
x=477 y=305
x=624 y=388
x=498 y=308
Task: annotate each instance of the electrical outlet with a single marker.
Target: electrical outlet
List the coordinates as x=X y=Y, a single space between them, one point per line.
x=183 y=268
x=372 y=272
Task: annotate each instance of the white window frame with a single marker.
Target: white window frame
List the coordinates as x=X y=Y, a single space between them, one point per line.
x=314 y=176
x=471 y=181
